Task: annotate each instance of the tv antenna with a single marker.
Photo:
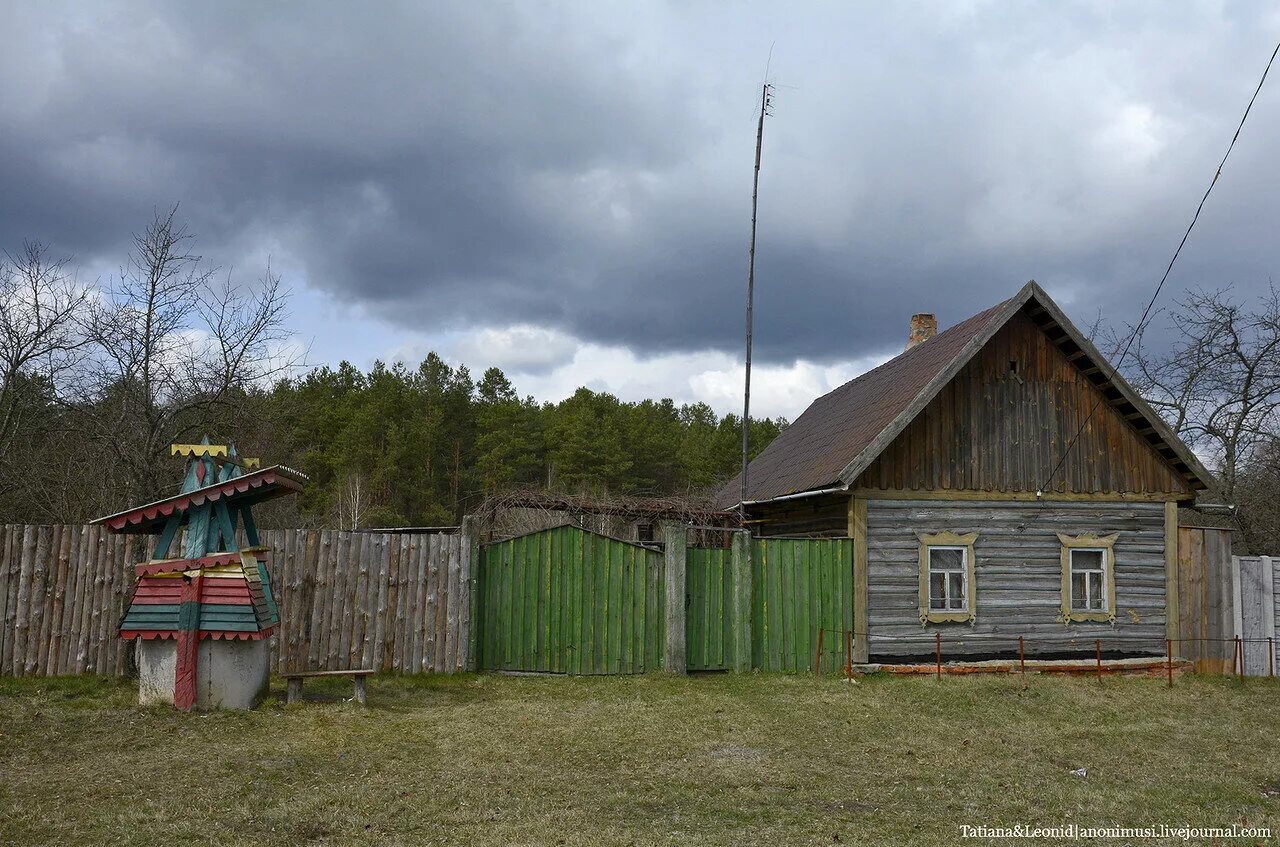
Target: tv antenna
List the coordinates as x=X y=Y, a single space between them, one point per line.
x=766 y=101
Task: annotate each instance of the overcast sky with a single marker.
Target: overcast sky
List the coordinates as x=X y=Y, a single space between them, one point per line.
x=564 y=190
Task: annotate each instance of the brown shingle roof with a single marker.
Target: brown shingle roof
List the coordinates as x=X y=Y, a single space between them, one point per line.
x=818 y=445
x=844 y=430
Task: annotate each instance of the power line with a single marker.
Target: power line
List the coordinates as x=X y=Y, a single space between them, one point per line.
x=1142 y=321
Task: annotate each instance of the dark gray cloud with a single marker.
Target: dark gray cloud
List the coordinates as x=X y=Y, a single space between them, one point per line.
x=587 y=169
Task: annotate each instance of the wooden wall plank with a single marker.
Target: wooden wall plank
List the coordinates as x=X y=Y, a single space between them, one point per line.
x=397 y=546
x=454 y=544
x=1018 y=577
x=1007 y=430
x=22 y=624
x=322 y=602
x=10 y=566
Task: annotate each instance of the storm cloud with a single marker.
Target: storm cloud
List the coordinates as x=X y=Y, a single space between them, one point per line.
x=565 y=177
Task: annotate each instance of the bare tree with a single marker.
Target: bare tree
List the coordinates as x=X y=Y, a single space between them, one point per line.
x=1218 y=383
x=1257 y=506
x=176 y=349
x=41 y=333
x=353 y=501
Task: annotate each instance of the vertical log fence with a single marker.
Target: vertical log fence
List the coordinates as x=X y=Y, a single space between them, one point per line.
x=347 y=600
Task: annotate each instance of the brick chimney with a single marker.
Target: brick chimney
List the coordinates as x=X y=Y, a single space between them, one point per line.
x=923 y=327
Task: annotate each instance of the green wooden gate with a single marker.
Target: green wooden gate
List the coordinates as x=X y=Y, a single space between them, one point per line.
x=566 y=600
x=800 y=585
x=709 y=623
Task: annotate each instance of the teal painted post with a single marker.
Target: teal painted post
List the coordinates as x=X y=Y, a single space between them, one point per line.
x=741 y=564
x=676 y=537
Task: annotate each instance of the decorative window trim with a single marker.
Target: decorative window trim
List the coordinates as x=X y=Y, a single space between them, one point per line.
x=1105 y=543
x=948 y=539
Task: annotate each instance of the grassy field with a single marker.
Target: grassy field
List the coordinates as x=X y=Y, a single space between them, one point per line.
x=648 y=760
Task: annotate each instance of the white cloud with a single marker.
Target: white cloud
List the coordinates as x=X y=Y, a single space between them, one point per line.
x=1133 y=137
x=518 y=349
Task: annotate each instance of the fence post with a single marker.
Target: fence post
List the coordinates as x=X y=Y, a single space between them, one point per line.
x=1022 y=660
x=741 y=563
x=848 y=654
x=675 y=536
x=471 y=563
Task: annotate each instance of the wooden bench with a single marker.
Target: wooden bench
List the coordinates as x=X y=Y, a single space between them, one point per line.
x=294 y=681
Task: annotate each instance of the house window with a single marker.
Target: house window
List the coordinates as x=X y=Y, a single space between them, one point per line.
x=947 y=589
x=1088 y=590
x=644 y=533
x=947 y=577
x=1088 y=578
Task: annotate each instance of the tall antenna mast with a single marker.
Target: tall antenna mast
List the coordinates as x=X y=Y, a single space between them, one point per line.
x=765 y=92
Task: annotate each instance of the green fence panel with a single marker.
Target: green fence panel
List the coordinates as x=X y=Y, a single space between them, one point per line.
x=801 y=586
x=709 y=624
x=566 y=600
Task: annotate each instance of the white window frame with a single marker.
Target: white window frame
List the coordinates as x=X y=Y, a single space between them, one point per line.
x=1095 y=583
x=1104 y=544
x=962 y=569
x=947 y=541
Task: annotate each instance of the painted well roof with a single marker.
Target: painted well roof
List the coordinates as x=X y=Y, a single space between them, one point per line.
x=265 y=484
x=842 y=432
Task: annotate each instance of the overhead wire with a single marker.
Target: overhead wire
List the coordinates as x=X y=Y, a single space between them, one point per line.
x=1146 y=313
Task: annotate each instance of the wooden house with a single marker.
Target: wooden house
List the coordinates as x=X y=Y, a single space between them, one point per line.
x=999 y=479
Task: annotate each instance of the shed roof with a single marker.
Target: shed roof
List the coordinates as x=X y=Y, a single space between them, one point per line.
x=843 y=431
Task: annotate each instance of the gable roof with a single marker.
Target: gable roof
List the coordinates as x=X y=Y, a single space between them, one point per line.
x=842 y=432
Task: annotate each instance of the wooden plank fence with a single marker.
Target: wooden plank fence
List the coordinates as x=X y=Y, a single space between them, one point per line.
x=801 y=586
x=347 y=600
x=568 y=600
x=1206 y=607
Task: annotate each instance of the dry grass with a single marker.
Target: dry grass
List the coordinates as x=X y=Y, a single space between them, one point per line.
x=712 y=760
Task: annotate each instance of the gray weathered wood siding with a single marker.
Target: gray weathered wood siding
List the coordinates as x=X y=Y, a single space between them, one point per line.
x=1018 y=576
x=1002 y=423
